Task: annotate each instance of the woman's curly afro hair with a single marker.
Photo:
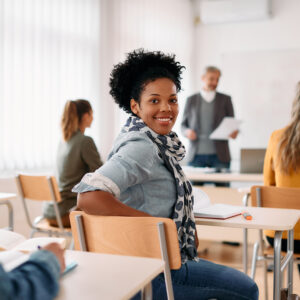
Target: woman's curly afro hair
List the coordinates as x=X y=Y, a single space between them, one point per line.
x=128 y=79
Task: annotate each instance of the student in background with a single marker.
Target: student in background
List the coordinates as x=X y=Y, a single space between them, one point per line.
x=143 y=177
x=282 y=164
x=37 y=278
x=77 y=155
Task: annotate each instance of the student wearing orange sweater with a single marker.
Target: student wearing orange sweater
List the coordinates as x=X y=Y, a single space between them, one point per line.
x=282 y=163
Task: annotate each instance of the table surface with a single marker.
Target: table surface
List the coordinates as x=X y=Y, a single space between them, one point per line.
x=201 y=175
x=7 y=196
x=105 y=276
x=262 y=218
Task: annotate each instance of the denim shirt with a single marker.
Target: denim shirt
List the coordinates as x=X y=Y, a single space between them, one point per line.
x=37 y=278
x=136 y=175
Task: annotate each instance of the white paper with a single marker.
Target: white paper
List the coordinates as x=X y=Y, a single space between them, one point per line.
x=226 y=127
x=201 y=199
x=11 y=259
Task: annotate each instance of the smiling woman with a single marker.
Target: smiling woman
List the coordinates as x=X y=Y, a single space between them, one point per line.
x=158 y=106
x=143 y=176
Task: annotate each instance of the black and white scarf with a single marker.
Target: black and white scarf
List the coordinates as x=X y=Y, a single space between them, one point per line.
x=171 y=151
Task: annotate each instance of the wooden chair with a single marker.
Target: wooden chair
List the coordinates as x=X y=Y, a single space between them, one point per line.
x=134 y=236
x=272 y=197
x=41 y=188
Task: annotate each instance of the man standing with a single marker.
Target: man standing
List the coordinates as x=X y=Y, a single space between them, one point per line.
x=203 y=113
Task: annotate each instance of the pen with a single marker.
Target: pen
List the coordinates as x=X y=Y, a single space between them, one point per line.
x=246 y=215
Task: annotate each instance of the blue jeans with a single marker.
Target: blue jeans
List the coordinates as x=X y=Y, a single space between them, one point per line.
x=206 y=280
x=211 y=161
x=208 y=160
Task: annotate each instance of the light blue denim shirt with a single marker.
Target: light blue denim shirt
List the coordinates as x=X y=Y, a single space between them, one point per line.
x=37 y=278
x=136 y=175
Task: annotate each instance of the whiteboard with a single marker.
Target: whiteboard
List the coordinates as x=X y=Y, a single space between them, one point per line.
x=262 y=86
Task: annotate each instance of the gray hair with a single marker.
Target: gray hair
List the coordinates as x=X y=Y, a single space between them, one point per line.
x=212 y=69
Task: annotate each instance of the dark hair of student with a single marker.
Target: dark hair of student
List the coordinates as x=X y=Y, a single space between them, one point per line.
x=72 y=115
x=289 y=145
x=128 y=79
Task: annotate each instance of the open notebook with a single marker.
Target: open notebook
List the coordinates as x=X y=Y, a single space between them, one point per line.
x=204 y=209
x=15 y=248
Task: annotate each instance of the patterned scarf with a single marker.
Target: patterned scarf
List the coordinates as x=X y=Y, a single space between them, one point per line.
x=171 y=150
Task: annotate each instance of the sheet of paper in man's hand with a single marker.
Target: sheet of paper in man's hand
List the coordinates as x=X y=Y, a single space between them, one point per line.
x=226 y=127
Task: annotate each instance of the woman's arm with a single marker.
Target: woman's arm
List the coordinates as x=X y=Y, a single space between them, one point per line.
x=269 y=174
x=90 y=154
x=105 y=204
x=37 y=278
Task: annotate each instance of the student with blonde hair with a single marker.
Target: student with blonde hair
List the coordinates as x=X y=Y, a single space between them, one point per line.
x=77 y=155
x=282 y=163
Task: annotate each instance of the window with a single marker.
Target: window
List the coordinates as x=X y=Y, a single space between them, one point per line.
x=49 y=53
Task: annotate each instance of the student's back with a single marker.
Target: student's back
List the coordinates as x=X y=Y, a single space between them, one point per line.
x=77 y=155
x=75 y=158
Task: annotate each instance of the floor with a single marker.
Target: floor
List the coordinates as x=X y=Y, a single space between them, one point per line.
x=232 y=256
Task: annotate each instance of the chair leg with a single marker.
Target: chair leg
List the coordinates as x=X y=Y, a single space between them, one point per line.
x=147 y=292
x=71 y=247
x=164 y=254
x=254 y=260
x=33 y=231
x=265 y=265
x=266 y=278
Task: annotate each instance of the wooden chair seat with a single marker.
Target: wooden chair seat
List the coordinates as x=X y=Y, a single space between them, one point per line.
x=44 y=225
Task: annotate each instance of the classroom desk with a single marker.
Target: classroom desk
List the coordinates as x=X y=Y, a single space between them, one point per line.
x=5 y=200
x=106 y=276
x=197 y=174
x=275 y=219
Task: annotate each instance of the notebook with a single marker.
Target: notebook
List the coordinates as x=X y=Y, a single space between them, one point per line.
x=15 y=249
x=10 y=240
x=204 y=209
x=252 y=160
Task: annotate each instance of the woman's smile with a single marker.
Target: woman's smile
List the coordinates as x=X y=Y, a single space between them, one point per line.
x=158 y=105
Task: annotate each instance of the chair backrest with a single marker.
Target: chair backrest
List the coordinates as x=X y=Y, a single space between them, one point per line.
x=133 y=236
x=275 y=197
x=39 y=188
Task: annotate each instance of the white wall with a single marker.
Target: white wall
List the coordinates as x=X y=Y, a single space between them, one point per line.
x=260 y=61
x=130 y=24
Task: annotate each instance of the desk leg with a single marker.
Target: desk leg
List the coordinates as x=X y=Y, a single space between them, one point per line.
x=245 y=250
x=290 y=248
x=147 y=292
x=277 y=265
x=245 y=238
x=10 y=214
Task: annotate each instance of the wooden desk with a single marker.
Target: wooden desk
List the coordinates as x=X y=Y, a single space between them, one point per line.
x=4 y=200
x=275 y=219
x=105 y=276
x=197 y=174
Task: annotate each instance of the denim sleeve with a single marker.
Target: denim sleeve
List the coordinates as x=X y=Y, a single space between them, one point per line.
x=35 y=279
x=130 y=164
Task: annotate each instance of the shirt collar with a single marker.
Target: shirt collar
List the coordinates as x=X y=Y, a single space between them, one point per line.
x=208 y=96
